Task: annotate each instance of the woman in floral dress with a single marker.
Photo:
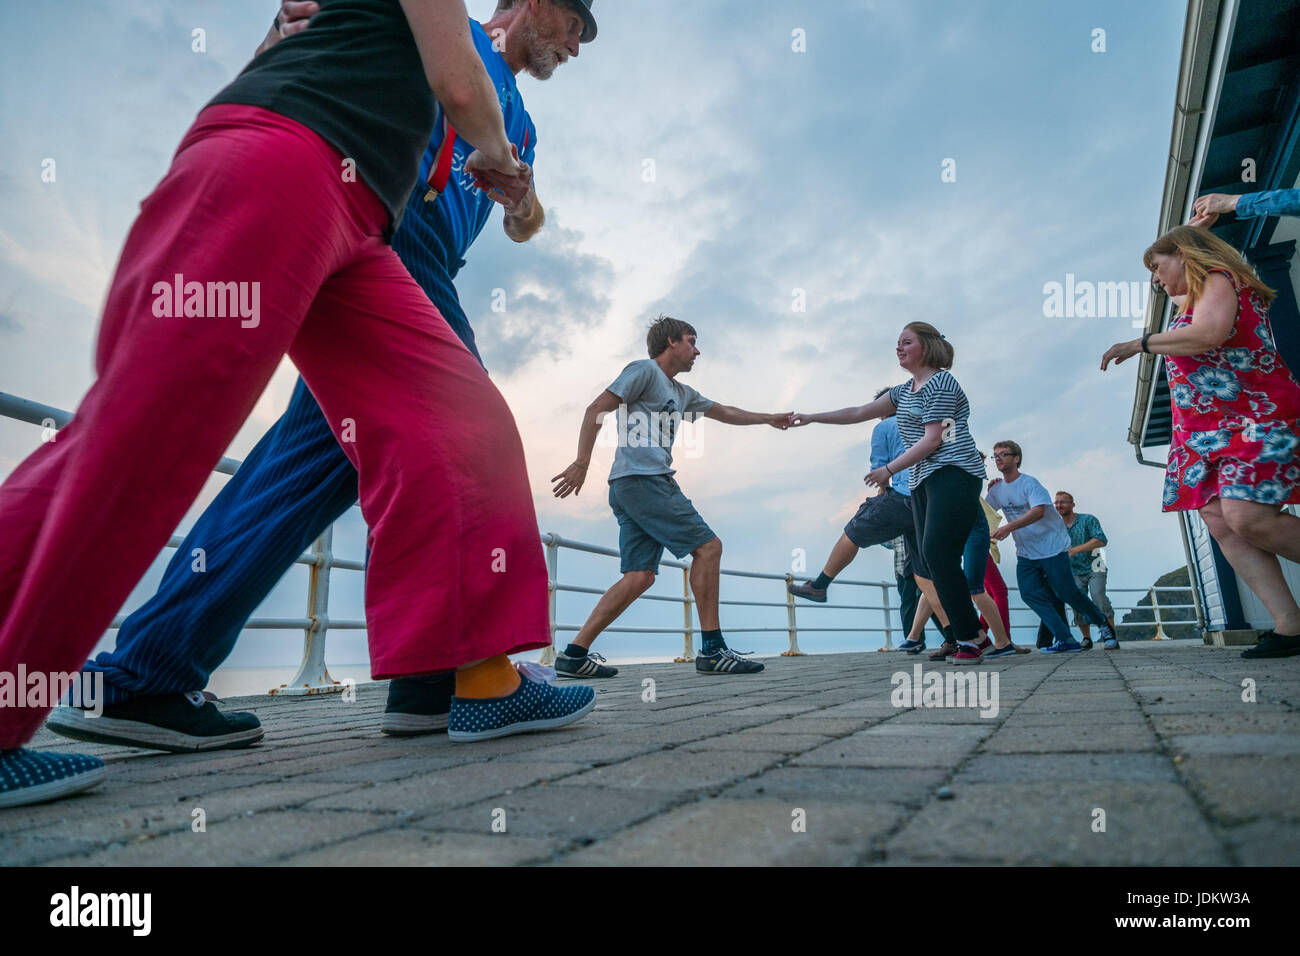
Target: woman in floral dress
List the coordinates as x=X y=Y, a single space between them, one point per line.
x=1235 y=450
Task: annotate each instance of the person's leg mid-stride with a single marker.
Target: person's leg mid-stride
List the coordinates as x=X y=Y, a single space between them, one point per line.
x=392 y=379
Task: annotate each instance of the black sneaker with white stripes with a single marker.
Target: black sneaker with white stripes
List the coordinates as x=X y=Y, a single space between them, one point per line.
x=592 y=665
x=725 y=661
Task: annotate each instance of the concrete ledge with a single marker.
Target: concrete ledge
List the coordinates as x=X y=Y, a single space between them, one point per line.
x=1231 y=638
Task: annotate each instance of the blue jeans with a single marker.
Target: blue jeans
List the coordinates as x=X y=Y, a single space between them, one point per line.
x=1046 y=584
x=975 y=556
x=294 y=484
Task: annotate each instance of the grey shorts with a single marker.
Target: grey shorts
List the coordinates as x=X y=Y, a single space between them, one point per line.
x=653 y=514
x=881 y=519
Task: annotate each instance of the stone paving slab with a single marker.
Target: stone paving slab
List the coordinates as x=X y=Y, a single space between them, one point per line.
x=1193 y=753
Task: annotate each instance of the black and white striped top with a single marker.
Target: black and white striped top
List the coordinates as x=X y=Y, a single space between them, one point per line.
x=939 y=400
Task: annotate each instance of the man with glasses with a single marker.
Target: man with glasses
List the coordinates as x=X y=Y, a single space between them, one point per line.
x=1042 y=545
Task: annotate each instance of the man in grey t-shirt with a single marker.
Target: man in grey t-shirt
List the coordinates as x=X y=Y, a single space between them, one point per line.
x=652 y=512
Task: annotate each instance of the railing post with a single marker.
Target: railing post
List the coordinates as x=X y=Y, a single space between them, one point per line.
x=790 y=616
x=688 y=651
x=1155 y=607
x=889 y=631
x=552 y=579
x=312 y=677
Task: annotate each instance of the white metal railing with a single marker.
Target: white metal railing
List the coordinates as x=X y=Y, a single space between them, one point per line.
x=312 y=677
x=887 y=626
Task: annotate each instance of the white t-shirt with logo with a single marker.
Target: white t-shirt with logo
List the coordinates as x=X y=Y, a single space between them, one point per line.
x=1045 y=538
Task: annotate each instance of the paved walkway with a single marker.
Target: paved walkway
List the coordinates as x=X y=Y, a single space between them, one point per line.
x=807 y=763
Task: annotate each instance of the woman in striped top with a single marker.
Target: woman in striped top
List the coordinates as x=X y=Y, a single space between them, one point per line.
x=946 y=471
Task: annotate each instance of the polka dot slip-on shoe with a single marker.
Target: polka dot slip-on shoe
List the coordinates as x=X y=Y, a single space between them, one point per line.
x=535 y=705
x=32 y=776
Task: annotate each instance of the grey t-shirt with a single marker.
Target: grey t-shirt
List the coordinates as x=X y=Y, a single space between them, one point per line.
x=653 y=405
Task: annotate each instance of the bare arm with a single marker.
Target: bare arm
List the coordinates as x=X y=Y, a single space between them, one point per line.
x=522 y=225
x=1211 y=326
x=570 y=480
x=1092 y=544
x=1029 y=517
x=880 y=408
x=457 y=77
x=923 y=449
x=730 y=415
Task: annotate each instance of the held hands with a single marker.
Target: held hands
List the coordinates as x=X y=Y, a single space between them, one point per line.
x=291 y=19
x=781 y=420
x=294 y=15
x=500 y=174
x=514 y=193
x=570 y=480
x=1121 y=351
x=1207 y=209
x=799 y=419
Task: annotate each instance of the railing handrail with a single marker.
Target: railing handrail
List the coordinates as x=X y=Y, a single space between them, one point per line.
x=312 y=677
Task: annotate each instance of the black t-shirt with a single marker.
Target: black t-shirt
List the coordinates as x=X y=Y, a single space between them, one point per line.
x=355 y=78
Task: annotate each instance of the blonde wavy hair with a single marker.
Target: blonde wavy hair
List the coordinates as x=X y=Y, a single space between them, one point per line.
x=1203 y=251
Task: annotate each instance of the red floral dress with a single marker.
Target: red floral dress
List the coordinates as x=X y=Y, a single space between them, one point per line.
x=1236 y=412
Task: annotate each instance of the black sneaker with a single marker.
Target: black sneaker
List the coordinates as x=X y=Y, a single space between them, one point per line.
x=1273 y=645
x=912 y=647
x=167 y=722
x=1086 y=643
x=806 y=590
x=592 y=665
x=418 y=705
x=725 y=661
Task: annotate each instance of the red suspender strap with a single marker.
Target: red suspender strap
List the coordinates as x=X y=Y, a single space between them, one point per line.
x=440 y=172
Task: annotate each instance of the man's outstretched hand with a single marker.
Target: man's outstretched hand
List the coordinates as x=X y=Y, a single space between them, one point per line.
x=782 y=421
x=570 y=480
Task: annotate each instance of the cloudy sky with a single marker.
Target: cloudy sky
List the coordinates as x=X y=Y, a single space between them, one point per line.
x=694 y=160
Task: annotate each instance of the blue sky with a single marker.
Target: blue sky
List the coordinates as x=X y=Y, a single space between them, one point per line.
x=774 y=171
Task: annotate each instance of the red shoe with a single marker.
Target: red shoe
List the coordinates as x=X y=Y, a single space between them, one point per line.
x=967 y=655
x=985 y=644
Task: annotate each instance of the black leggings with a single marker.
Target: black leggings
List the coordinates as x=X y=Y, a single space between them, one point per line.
x=945 y=506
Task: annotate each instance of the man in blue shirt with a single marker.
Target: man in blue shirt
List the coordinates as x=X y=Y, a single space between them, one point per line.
x=297 y=481
x=1270 y=202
